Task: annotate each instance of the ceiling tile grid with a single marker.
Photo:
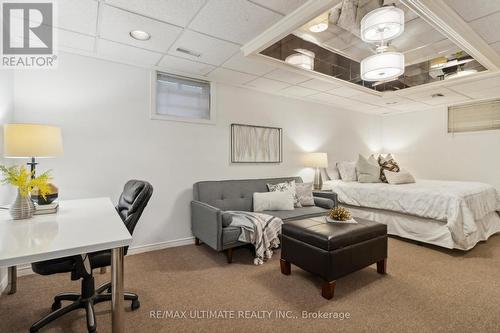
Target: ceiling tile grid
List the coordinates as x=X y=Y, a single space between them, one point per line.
x=241 y=63
x=185 y=65
x=229 y=76
x=267 y=85
x=286 y=76
x=283 y=7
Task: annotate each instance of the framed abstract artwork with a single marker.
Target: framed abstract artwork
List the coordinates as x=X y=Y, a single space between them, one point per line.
x=256 y=144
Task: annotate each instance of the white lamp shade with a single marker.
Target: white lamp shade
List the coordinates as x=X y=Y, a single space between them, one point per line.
x=302 y=59
x=316 y=160
x=382 y=66
x=384 y=23
x=31 y=140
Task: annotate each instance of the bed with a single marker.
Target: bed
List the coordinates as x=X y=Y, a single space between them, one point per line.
x=450 y=214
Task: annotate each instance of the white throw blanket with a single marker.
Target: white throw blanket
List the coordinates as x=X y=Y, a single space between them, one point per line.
x=261 y=230
x=459 y=204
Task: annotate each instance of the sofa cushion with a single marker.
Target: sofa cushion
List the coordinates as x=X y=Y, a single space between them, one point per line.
x=297 y=213
x=332 y=236
x=234 y=194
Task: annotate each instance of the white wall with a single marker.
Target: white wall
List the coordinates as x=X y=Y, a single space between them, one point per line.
x=6 y=115
x=422 y=144
x=103 y=109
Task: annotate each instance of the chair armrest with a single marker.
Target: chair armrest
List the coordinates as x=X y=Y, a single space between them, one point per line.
x=323 y=203
x=328 y=195
x=206 y=224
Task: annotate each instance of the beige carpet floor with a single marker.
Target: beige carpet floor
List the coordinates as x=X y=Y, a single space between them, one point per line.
x=427 y=290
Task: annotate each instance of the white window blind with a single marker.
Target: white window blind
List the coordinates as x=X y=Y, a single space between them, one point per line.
x=182 y=97
x=479 y=116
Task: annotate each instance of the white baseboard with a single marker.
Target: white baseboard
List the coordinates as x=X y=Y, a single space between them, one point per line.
x=26 y=269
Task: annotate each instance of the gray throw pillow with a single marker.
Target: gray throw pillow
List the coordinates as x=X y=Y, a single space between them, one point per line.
x=368 y=170
x=305 y=193
x=286 y=187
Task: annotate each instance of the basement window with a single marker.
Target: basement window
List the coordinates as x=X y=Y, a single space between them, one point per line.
x=179 y=98
x=481 y=116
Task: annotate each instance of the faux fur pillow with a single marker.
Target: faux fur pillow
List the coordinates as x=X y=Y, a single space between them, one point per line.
x=305 y=193
x=347 y=171
x=387 y=163
x=286 y=187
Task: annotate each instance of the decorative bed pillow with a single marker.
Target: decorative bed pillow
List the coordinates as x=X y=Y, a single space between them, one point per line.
x=401 y=177
x=347 y=171
x=286 y=187
x=368 y=170
x=332 y=172
x=272 y=201
x=305 y=193
x=387 y=163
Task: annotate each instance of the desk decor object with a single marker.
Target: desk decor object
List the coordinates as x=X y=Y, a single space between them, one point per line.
x=256 y=144
x=317 y=161
x=20 y=177
x=339 y=215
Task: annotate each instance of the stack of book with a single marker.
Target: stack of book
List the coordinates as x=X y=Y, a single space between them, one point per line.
x=46 y=209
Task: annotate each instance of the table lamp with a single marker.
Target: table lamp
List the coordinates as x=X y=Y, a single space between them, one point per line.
x=317 y=161
x=31 y=141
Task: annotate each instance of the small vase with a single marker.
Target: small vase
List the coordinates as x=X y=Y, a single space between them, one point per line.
x=22 y=208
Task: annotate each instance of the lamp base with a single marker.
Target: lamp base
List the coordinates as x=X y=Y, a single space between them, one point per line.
x=318 y=182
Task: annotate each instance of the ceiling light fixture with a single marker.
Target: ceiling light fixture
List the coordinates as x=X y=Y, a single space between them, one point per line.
x=379 y=26
x=322 y=25
x=383 y=23
x=140 y=35
x=303 y=58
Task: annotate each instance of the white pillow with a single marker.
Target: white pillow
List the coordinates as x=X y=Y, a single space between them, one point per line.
x=368 y=170
x=332 y=172
x=401 y=177
x=272 y=201
x=347 y=171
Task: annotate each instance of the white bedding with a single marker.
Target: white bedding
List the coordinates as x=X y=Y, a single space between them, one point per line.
x=458 y=204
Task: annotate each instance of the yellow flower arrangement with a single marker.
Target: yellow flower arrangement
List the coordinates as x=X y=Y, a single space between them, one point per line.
x=19 y=177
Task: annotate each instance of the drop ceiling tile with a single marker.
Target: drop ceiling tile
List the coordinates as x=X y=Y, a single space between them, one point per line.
x=496 y=47
x=320 y=85
x=213 y=51
x=476 y=86
x=77 y=15
x=488 y=27
x=178 y=12
x=116 y=25
x=298 y=91
x=286 y=76
x=281 y=6
x=485 y=93
x=234 y=20
x=128 y=54
x=267 y=85
x=244 y=64
x=344 y=91
x=409 y=106
x=228 y=76
x=184 y=65
x=74 y=41
x=324 y=97
x=368 y=98
x=426 y=97
x=470 y=10
x=389 y=101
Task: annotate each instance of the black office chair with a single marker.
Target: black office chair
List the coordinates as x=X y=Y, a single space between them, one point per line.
x=131 y=204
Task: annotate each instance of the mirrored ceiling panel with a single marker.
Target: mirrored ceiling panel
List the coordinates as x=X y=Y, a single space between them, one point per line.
x=376 y=44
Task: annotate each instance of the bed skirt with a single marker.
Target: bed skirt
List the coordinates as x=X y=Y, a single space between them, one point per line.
x=428 y=230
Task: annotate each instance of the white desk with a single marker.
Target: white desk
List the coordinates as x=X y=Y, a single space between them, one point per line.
x=80 y=226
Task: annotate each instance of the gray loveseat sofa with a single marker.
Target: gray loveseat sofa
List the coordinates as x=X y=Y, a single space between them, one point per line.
x=210 y=224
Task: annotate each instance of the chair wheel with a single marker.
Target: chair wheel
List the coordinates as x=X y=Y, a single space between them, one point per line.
x=135 y=304
x=56 y=306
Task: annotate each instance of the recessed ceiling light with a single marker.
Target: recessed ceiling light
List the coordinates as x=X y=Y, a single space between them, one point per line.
x=140 y=35
x=322 y=24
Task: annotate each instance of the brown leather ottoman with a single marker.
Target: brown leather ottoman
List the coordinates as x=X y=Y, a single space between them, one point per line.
x=333 y=250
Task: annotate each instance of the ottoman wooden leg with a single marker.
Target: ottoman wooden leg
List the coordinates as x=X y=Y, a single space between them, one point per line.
x=197 y=242
x=328 y=289
x=382 y=266
x=285 y=267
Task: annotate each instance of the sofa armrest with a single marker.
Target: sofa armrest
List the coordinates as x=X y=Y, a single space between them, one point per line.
x=328 y=195
x=324 y=203
x=206 y=224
